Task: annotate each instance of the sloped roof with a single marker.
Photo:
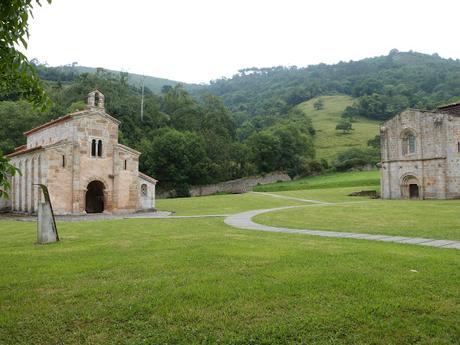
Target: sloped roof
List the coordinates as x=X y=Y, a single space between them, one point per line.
x=147 y=177
x=68 y=117
x=453 y=108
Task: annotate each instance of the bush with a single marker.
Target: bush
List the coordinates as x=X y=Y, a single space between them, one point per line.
x=354 y=157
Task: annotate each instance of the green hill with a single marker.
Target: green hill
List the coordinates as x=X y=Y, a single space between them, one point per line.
x=68 y=73
x=328 y=141
x=153 y=83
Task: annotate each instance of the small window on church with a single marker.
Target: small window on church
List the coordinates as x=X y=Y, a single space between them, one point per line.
x=96 y=99
x=126 y=164
x=409 y=144
x=458 y=146
x=99 y=148
x=93 y=148
x=63 y=161
x=144 y=189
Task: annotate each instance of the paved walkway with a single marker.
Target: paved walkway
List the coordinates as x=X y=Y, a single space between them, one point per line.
x=103 y=216
x=278 y=196
x=244 y=221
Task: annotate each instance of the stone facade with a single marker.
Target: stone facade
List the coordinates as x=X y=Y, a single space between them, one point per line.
x=85 y=168
x=420 y=154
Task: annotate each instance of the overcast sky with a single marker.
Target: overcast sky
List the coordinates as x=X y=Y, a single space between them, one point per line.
x=199 y=40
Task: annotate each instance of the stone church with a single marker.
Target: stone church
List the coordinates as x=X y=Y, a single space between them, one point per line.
x=420 y=154
x=86 y=169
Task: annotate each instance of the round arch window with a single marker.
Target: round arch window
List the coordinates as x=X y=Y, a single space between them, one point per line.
x=144 y=189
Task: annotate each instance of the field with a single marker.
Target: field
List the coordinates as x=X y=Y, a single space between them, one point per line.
x=199 y=281
x=332 y=180
x=328 y=141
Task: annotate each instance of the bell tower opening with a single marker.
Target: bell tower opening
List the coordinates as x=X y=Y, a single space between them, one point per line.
x=96 y=99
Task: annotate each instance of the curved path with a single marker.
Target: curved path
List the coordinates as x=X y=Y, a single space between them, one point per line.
x=244 y=221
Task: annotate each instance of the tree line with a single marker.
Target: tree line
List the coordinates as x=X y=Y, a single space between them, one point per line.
x=184 y=140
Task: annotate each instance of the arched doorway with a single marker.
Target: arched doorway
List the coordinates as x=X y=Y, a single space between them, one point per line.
x=95 y=197
x=410 y=187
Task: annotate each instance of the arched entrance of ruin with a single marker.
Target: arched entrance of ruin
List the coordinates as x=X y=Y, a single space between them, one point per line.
x=410 y=187
x=94 y=198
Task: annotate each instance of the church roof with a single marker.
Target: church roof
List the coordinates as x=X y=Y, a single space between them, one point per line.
x=453 y=108
x=68 y=117
x=23 y=149
x=49 y=124
x=147 y=177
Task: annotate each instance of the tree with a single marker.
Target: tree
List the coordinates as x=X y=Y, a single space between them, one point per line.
x=345 y=126
x=16 y=72
x=177 y=159
x=319 y=104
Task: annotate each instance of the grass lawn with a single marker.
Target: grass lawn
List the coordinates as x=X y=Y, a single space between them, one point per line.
x=220 y=204
x=433 y=219
x=333 y=180
x=331 y=194
x=198 y=281
x=328 y=141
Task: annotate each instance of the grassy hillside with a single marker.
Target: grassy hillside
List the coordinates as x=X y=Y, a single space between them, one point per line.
x=334 y=180
x=328 y=141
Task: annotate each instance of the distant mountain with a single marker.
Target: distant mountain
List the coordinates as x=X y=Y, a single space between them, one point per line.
x=381 y=86
x=68 y=73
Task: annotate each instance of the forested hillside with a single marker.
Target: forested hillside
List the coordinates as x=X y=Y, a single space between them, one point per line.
x=184 y=140
x=69 y=73
x=300 y=120
x=382 y=86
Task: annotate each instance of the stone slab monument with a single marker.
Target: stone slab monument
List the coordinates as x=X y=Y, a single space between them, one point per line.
x=46 y=224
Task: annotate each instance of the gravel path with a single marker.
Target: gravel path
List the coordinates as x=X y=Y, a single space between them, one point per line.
x=244 y=221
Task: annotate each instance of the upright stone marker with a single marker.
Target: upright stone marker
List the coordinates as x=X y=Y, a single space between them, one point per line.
x=46 y=224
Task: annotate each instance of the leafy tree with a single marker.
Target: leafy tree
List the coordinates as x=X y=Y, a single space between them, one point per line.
x=177 y=159
x=16 y=73
x=374 y=142
x=345 y=126
x=266 y=151
x=355 y=158
x=6 y=169
x=281 y=148
x=350 y=113
x=319 y=104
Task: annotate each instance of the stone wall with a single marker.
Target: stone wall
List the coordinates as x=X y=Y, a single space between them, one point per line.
x=434 y=166
x=233 y=186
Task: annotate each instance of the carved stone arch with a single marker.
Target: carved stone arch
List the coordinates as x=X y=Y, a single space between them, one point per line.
x=407 y=130
x=411 y=187
x=96 y=178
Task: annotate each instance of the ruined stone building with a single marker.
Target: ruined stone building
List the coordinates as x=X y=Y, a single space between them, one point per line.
x=86 y=169
x=420 y=154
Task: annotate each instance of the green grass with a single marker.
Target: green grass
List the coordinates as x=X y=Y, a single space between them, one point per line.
x=333 y=180
x=220 y=204
x=431 y=219
x=331 y=194
x=328 y=141
x=197 y=281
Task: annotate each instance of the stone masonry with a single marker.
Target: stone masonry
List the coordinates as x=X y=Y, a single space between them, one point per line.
x=420 y=154
x=85 y=168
